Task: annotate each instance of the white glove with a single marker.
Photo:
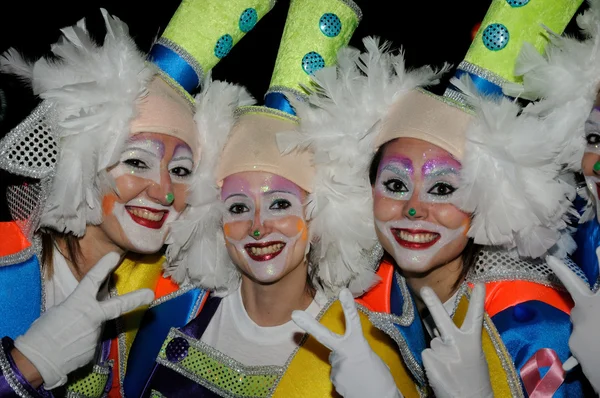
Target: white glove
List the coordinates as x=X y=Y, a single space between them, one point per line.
x=585 y=317
x=455 y=364
x=65 y=337
x=356 y=371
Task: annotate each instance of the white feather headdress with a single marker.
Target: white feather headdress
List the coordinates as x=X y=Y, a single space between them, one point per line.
x=567 y=78
x=93 y=90
x=197 y=249
x=510 y=180
x=340 y=125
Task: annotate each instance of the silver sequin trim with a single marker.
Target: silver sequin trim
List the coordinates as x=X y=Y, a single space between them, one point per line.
x=44 y=118
x=122 y=342
x=263 y=109
x=220 y=357
x=18 y=257
x=483 y=73
x=10 y=377
x=182 y=289
x=386 y=323
x=156 y=394
x=457 y=96
x=354 y=8
x=187 y=57
x=449 y=101
x=299 y=95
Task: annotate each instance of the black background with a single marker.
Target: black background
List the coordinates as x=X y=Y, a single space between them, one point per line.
x=431 y=32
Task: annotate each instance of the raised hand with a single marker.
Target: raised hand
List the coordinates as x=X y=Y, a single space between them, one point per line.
x=66 y=336
x=356 y=371
x=455 y=364
x=585 y=316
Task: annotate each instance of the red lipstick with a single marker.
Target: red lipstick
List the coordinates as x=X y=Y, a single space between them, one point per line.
x=264 y=251
x=415 y=239
x=141 y=216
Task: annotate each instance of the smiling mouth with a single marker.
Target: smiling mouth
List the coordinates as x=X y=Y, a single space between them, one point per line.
x=264 y=251
x=415 y=239
x=147 y=217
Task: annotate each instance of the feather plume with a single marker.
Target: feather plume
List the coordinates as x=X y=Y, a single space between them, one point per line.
x=12 y=62
x=94 y=88
x=197 y=250
x=339 y=124
x=510 y=180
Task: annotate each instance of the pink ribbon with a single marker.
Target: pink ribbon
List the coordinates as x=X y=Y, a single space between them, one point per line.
x=544 y=387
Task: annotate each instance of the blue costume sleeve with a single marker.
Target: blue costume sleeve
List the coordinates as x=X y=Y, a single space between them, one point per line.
x=12 y=382
x=527 y=327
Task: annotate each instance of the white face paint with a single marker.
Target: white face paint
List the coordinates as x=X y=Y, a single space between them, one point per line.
x=144 y=221
x=415 y=243
x=592 y=137
x=267 y=256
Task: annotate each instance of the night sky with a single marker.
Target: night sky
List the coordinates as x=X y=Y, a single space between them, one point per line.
x=431 y=32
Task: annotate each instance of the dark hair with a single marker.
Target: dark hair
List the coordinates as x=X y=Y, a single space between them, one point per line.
x=471 y=251
x=73 y=254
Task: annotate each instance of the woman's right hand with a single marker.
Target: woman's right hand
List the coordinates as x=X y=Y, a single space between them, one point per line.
x=65 y=337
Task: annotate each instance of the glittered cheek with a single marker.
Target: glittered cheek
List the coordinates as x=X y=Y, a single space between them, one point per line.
x=108 y=203
x=236 y=230
x=290 y=226
x=450 y=216
x=588 y=162
x=130 y=187
x=180 y=192
x=386 y=209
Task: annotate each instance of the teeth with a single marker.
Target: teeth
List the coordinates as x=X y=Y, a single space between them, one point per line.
x=148 y=215
x=417 y=238
x=261 y=251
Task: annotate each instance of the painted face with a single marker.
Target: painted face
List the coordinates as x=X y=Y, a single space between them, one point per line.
x=264 y=224
x=415 y=220
x=591 y=159
x=151 y=183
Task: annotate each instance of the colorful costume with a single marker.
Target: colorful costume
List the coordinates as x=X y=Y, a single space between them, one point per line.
x=90 y=99
x=187 y=363
x=508 y=183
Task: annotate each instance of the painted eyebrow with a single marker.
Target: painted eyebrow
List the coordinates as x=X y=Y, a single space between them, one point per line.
x=442 y=171
x=135 y=148
x=182 y=158
x=392 y=166
x=233 y=195
x=279 y=191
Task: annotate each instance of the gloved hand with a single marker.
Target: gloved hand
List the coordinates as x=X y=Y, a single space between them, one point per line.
x=65 y=337
x=455 y=364
x=585 y=317
x=356 y=371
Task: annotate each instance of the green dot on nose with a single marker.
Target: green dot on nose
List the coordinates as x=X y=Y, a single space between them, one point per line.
x=412 y=212
x=597 y=166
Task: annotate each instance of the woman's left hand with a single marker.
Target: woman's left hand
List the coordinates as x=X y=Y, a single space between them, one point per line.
x=585 y=317
x=356 y=371
x=455 y=364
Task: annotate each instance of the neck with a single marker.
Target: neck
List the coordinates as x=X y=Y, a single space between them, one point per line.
x=94 y=245
x=272 y=304
x=443 y=280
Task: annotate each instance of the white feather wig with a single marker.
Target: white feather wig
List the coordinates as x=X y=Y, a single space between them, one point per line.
x=93 y=89
x=197 y=251
x=339 y=124
x=510 y=180
x=567 y=78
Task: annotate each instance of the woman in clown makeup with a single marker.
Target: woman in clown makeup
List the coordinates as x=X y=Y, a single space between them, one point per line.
x=455 y=183
x=116 y=142
x=567 y=79
x=275 y=243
